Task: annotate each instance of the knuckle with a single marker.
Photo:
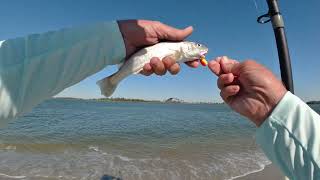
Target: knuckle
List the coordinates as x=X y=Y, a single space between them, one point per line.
x=154 y=59
x=249 y=62
x=157 y=23
x=166 y=62
x=146 y=67
x=223 y=78
x=229 y=78
x=167 y=59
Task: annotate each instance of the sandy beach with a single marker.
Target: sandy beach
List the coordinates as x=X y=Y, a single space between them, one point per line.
x=269 y=172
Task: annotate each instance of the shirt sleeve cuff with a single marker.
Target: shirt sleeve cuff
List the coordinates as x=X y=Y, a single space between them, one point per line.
x=116 y=51
x=291 y=122
x=279 y=116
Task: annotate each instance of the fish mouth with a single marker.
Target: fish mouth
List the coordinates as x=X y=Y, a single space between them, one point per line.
x=202 y=54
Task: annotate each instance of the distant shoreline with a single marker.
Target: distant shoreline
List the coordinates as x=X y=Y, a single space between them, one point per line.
x=167 y=101
x=313 y=102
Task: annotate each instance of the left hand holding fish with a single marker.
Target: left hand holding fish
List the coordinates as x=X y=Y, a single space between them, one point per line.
x=141 y=33
x=160 y=67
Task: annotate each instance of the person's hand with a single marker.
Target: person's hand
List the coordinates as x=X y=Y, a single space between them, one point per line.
x=141 y=33
x=248 y=87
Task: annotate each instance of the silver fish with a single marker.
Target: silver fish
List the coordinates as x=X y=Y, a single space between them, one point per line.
x=179 y=51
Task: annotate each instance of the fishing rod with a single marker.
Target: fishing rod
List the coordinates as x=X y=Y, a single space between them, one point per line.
x=276 y=19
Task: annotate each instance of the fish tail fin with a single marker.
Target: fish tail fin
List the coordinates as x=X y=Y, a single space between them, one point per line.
x=107 y=85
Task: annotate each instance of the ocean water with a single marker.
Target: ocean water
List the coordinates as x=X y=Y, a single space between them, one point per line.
x=78 y=139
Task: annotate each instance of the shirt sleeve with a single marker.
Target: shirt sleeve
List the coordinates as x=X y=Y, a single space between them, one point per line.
x=290 y=138
x=38 y=66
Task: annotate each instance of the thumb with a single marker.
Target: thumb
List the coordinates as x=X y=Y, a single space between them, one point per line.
x=166 y=32
x=229 y=66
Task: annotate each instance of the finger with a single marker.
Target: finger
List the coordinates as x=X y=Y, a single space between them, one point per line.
x=174 y=69
x=229 y=91
x=215 y=67
x=168 y=62
x=224 y=80
x=147 y=70
x=171 y=65
x=228 y=65
x=193 y=64
x=158 y=66
x=234 y=61
x=170 y=33
x=218 y=59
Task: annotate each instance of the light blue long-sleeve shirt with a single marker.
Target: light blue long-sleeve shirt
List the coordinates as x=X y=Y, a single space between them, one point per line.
x=290 y=137
x=37 y=67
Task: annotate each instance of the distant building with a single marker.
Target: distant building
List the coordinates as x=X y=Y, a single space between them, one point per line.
x=174 y=100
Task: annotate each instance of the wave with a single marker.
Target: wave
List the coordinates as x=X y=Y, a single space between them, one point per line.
x=94 y=161
x=35 y=176
x=40 y=147
x=123 y=158
x=194 y=170
x=8 y=147
x=250 y=172
x=12 y=177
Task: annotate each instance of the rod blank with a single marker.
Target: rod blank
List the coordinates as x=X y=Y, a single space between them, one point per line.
x=281 y=40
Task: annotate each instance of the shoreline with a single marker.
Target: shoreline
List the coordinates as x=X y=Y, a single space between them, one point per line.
x=134 y=100
x=268 y=172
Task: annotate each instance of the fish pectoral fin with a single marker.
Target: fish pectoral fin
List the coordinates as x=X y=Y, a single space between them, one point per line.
x=175 y=56
x=120 y=65
x=135 y=73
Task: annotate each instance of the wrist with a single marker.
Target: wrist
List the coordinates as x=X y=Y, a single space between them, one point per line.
x=123 y=27
x=267 y=108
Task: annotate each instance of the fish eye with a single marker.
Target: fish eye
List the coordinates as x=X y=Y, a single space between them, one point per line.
x=198 y=45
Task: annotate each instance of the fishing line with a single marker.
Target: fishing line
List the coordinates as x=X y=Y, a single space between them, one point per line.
x=259 y=9
x=256 y=5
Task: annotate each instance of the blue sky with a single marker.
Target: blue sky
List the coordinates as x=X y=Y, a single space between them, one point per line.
x=227 y=27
